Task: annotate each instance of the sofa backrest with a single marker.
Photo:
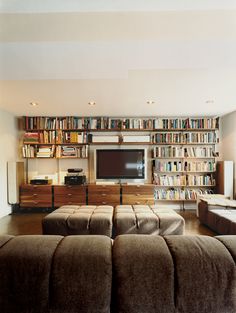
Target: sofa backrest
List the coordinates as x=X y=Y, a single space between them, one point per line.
x=138 y=274
x=184 y=274
x=40 y=274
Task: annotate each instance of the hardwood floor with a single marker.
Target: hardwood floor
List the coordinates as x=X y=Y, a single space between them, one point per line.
x=30 y=224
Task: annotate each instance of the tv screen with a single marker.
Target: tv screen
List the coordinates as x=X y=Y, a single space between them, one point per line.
x=120 y=164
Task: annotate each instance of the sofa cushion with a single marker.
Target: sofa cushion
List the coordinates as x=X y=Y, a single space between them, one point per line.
x=42 y=274
x=204 y=270
x=143 y=275
x=25 y=263
x=82 y=274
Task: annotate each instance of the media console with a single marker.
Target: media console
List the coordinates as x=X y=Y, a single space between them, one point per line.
x=53 y=196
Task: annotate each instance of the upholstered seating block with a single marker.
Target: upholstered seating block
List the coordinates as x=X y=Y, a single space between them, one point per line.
x=200 y=270
x=143 y=275
x=79 y=220
x=81 y=275
x=136 y=219
x=42 y=274
x=170 y=222
x=222 y=219
x=203 y=264
x=25 y=272
x=145 y=219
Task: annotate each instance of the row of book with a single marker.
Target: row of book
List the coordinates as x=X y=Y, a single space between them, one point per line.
x=55 y=136
x=187 y=166
x=71 y=152
x=183 y=152
x=183 y=180
x=185 y=138
x=201 y=180
x=180 y=194
x=186 y=123
x=75 y=122
x=29 y=151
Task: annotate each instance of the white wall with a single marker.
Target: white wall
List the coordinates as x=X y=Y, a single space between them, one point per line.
x=229 y=141
x=8 y=145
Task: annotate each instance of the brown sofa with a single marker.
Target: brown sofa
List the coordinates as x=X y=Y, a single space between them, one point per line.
x=219 y=215
x=138 y=274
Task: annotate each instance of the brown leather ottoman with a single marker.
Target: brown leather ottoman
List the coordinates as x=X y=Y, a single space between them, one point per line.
x=145 y=219
x=79 y=220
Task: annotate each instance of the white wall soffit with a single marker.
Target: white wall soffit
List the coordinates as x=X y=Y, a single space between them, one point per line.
x=207 y=25
x=176 y=93
x=109 y=60
x=112 y=5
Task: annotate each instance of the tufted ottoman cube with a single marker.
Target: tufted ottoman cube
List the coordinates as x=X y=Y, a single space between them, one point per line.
x=79 y=220
x=145 y=219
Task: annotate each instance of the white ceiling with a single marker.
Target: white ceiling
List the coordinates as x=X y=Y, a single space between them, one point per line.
x=63 y=54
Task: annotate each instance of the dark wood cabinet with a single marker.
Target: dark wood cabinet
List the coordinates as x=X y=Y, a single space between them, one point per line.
x=69 y=195
x=46 y=196
x=104 y=194
x=35 y=196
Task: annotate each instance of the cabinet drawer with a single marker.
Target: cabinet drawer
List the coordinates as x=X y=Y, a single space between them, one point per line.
x=105 y=202
x=70 y=190
x=131 y=199
x=36 y=197
x=104 y=198
x=58 y=202
x=138 y=189
x=104 y=189
x=35 y=203
x=36 y=189
x=70 y=197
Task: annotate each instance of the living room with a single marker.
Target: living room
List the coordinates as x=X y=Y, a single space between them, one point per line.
x=151 y=79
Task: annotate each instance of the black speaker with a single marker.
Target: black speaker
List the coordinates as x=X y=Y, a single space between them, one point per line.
x=75 y=180
x=39 y=181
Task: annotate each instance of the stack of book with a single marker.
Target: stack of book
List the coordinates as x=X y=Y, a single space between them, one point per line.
x=30 y=137
x=45 y=152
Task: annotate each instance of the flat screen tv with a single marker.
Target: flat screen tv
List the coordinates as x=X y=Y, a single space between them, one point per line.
x=120 y=164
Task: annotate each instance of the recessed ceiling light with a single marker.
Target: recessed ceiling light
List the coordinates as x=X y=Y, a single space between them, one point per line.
x=150 y=102
x=34 y=104
x=209 y=101
x=92 y=103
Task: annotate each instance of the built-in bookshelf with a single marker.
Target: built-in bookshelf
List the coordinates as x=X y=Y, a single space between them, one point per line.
x=183 y=149
x=184 y=158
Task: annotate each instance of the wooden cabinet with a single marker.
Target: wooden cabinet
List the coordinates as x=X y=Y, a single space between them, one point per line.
x=68 y=195
x=104 y=194
x=138 y=194
x=35 y=196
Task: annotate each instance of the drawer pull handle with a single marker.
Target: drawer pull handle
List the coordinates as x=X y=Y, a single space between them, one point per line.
x=35 y=194
x=137 y=202
x=69 y=194
x=35 y=202
x=137 y=194
x=104 y=202
x=104 y=194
